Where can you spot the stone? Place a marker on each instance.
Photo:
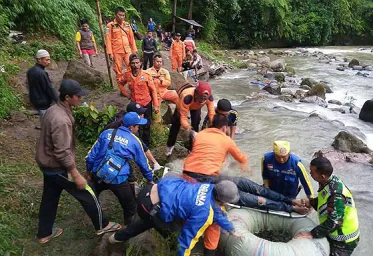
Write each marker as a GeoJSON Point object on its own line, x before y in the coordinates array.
{"type": "Point", "coordinates": [366, 113]}
{"type": "Point", "coordinates": [336, 102]}
{"type": "Point", "coordinates": [308, 81]}
{"type": "Point", "coordinates": [216, 70]}
{"type": "Point", "coordinates": [314, 99]}
{"type": "Point", "coordinates": [341, 110]}
{"type": "Point", "coordinates": [269, 75]}
{"type": "Point", "coordinates": [85, 75]}
{"type": "Point", "coordinates": [368, 68]}
{"type": "Point", "coordinates": [286, 98]}
{"type": "Point", "coordinates": [290, 70]}
{"type": "Point", "coordinates": [353, 62]}
{"type": "Point", "coordinates": [261, 52]}
{"type": "Point", "coordinates": [357, 68]}
{"type": "Point", "coordinates": [277, 65]}
{"type": "Point", "coordinates": [264, 61]}
{"type": "Point", "coordinates": [177, 80]}
{"type": "Point", "coordinates": [362, 74]}
{"type": "Point", "coordinates": [326, 86]}
{"type": "Point", "coordinates": [251, 65]}
{"type": "Point", "coordinates": [345, 59]}
{"type": "Point", "coordinates": [250, 52]}
{"type": "Point", "coordinates": [347, 142]}
{"type": "Point", "coordinates": [305, 87]}
{"type": "Point", "coordinates": [273, 89]}
{"type": "Point", "coordinates": [317, 90]}
{"type": "Point", "coordinates": [340, 68]}
{"type": "Point", "coordinates": [315, 115]}
{"type": "Point", "coordinates": [279, 77]}
{"type": "Point", "coordinates": [300, 94]}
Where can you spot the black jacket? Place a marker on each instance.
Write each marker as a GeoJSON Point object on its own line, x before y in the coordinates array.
{"type": "Point", "coordinates": [149, 45]}
{"type": "Point", "coordinates": [41, 92]}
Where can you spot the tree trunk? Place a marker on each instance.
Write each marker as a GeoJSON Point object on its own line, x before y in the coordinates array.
{"type": "Point", "coordinates": [190, 13]}
{"type": "Point", "coordinates": [174, 16]}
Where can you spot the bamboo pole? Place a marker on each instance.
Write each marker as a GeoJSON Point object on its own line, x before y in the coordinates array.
{"type": "Point", "coordinates": [103, 39]}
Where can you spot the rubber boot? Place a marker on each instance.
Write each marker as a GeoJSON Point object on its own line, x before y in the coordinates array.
{"type": "Point", "coordinates": [208, 252]}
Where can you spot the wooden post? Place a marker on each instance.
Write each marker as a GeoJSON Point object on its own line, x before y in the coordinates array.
{"type": "Point", "coordinates": [103, 39]}
{"type": "Point", "coordinates": [174, 16]}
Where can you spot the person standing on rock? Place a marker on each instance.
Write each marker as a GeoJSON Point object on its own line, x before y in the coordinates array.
{"type": "Point", "coordinates": [120, 42]}
{"type": "Point", "coordinates": [149, 47]}
{"type": "Point", "coordinates": [86, 43]}
{"type": "Point", "coordinates": [335, 205]}
{"type": "Point", "coordinates": [55, 155]}
{"type": "Point", "coordinates": [282, 170]}
{"type": "Point", "coordinates": [162, 206]}
{"type": "Point", "coordinates": [127, 146]}
{"type": "Point", "coordinates": [41, 92]}
{"type": "Point", "coordinates": [224, 107]}
{"type": "Point", "coordinates": [177, 53]}
{"type": "Point", "coordinates": [142, 91]}
{"type": "Point", "coordinates": [191, 99]}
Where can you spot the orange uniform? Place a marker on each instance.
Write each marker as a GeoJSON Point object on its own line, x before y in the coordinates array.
{"type": "Point", "coordinates": [177, 54]}
{"type": "Point", "coordinates": [120, 42]}
{"type": "Point", "coordinates": [162, 85]}
{"type": "Point", "coordinates": [141, 87]}
{"type": "Point", "coordinates": [186, 103]}
{"type": "Point", "coordinates": [210, 149]}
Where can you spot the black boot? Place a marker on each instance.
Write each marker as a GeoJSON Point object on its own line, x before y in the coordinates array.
{"type": "Point", "coordinates": [208, 252]}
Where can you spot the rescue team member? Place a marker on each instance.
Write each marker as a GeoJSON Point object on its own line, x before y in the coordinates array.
{"type": "Point", "coordinates": [149, 47]}
{"type": "Point", "coordinates": [86, 43]}
{"type": "Point", "coordinates": [336, 208]}
{"type": "Point", "coordinates": [177, 53]}
{"type": "Point", "coordinates": [142, 91]}
{"type": "Point", "coordinates": [224, 107]}
{"type": "Point", "coordinates": [55, 155]}
{"type": "Point", "coordinates": [191, 99]}
{"type": "Point", "coordinates": [120, 42]}
{"type": "Point", "coordinates": [282, 170]}
{"type": "Point", "coordinates": [173, 199]}
{"type": "Point", "coordinates": [210, 149]}
{"type": "Point", "coordinates": [41, 92]}
{"type": "Point", "coordinates": [128, 146]}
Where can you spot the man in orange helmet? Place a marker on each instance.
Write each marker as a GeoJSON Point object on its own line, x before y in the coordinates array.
{"type": "Point", "coordinates": [120, 42]}
{"type": "Point", "coordinates": [177, 53]}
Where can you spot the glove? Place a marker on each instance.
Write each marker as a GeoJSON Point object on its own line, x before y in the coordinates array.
{"type": "Point", "coordinates": [156, 167]}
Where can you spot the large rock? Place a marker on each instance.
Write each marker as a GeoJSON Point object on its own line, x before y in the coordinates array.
{"type": "Point", "coordinates": [264, 61]}
{"type": "Point", "coordinates": [326, 86]}
{"type": "Point", "coordinates": [308, 81]}
{"type": "Point", "coordinates": [336, 156]}
{"type": "Point", "coordinates": [278, 65]}
{"type": "Point", "coordinates": [273, 89]}
{"type": "Point", "coordinates": [366, 113]}
{"type": "Point", "coordinates": [336, 102]}
{"type": "Point", "coordinates": [357, 67]}
{"type": "Point", "coordinates": [279, 77]}
{"type": "Point", "coordinates": [178, 80]}
{"type": "Point", "coordinates": [317, 90]}
{"type": "Point", "coordinates": [353, 62]}
{"type": "Point", "coordinates": [368, 68]}
{"type": "Point", "coordinates": [314, 99]}
{"type": "Point", "coordinates": [216, 70]}
{"type": "Point", "coordinates": [85, 75]}
{"type": "Point", "coordinates": [346, 142]}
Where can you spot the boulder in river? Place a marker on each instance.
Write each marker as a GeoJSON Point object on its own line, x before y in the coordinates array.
{"type": "Point", "coordinates": [85, 75]}
{"type": "Point", "coordinates": [336, 156]}
{"type": "Point", "coordinates": [273, 89]}
{"type": "Point", "coordinates": [290, 70]}
{"type": "Point", "coordinates": [357, 68]}
{"type": "Point", "coordinates": [336, 102]}
{"type": "Point", "coordinates": [216, 70]}
{"type": "Point", "coordinates": [279, 77]}
{"type": "Point", "coordinates": [315, 99]}
{"type": "Point", "coordinates": [347, 142]}
{"type": "Point", "coordinates": [317, 90]}
{"type": "Point", "coordinates": [368, 68]}
{"type": "Point", "coordinates": [308, 81]}
{"type": "Point", "coordinates": [362, 74]}
{"type": "Point", "coordinates": [341, 110]}
{"type": "Point", "coordinates": [340, 68]}
{"type": "Point", "coordinates": [353, 62]}
{"type": "Point", "coordinates": [278, 65]}
{"type": "Point", "coordinates": [286, 98]}
{"type": "Point", "coordinates": [305, 87]}
{"type": "Point", "coordinates": [366, 113]}
{"type": "Point", "coordinates": [326, 86]}
{"type": "Point", "coordinates": [264, 61]}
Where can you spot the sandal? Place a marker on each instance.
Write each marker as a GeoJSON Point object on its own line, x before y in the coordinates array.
{"type": "Point", "coordinates": [114, 227]}
{"type": "Point", "coordinates": [56, 232]}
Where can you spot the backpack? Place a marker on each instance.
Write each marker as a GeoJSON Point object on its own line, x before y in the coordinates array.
{"type": "Point", "coordinates": [111, 164]}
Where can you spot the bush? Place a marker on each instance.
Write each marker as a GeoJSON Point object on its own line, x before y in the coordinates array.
{"type": "Point", "coordinates": [90, 122]}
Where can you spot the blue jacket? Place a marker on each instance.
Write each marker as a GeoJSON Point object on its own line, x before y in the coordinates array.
{"type": "Point", "coordinates": [126, 145]}
{"type": "Point", "coordinates": [193, 203]}
{"type": "Point", "coordinates": [284, 178]}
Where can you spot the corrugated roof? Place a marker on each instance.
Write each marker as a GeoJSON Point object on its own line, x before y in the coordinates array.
{"type": "Point", "coordinates": [192, 22]}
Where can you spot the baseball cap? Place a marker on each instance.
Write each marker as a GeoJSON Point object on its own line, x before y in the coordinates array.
{"type": "Point", "coordinates": [42, 54]}
{"type": "Point", "coordinates": [281, 148]}
{"type": "Point", "coordinates": [203, 88]}
{"type": "Point", "coordinates": [72, 87]}
{"type": "Point", "coordinates": [132, 118]}
{"type": "Point", "coordinates": [177, 34]}
{"type": "Point", "coordinates": [224, 105]}
{"type": "Point", "coordinates": [226, 191]}
{"type": "Point", "coordinates": [133, 56]}
{"type": "Point", "coordinates": [135, 107]}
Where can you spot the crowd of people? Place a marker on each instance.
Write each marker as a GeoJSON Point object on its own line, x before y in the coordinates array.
{"type": "Point", "coordinates": [193, 203]}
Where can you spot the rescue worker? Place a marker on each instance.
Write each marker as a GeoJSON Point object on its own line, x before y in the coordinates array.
{"type": "Point", "coordinates": [191, 99]}
{"type": "Point", "coordinates": [149, 47]}
{"type": "Point", "coordinates": [173, 199]}
{"type": "Point", "coordinates": [177, 53]}
{"type": "Point", "coordinates": [282, 170]}
{"type": "Point", "coordinates": [120, 42]}
{"type": "Point", "coordinates": [210, 149]}
{"type": "Point", "coordinates": [125, 145]}
{"type": "Point", "coordinates": [86, 43]}
{"type": "Point", "coordinates": [224, 107]}
{"type": "Point", "coordinates": [336, 208]}
{"type": "Point", "coordinates": [142, 91]}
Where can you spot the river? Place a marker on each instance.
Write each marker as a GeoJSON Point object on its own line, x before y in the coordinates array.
{"type": "Point", "coordinates": [261, 122]}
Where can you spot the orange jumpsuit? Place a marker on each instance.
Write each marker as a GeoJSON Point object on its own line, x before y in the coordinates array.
{"type": "Point", "coordinates": [210, 149]}
{"type": "Point", "coordinates": [177, 54]}
{"type": "Point", "coordinates": [161, 86]}
{"type": "Point", "coordinates": [141, 87]}
{"type": "Point", "coordinates": [120, 42]}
